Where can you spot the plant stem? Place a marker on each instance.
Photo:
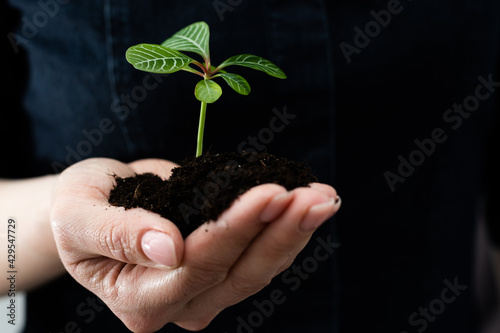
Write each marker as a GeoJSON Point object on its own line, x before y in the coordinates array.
{"type": "Point", "coordinates": [200, 65]}
{"type": "Point", "coordinates": [194, 71]}
{"type": "Point", "coordinates": [201, 128]}
{"type": "Point", "coordinates": [215, 71]}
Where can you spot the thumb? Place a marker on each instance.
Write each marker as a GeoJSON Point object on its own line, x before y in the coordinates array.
{"type": "Point", "coordinates": [133, 236]}
{"type": "Point", "coordinates": [139, 237]}
{"type": "Point", "coordinates": [85, 226]}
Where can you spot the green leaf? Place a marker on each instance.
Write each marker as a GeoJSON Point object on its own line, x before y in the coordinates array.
{"type": "Point", "coordinates": [207, 91]}
{"type": "Point", "coordinates": [193, 38]}
{"type": "Point", "coordinates": [237, 82]}
{"type": "Point", "coordinates": [255, 62]}
{"type": "Point", "coordinates": [156, 58]}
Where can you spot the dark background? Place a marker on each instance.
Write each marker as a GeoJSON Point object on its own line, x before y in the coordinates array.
{"type": "Point", "coordinates": [397, 247]}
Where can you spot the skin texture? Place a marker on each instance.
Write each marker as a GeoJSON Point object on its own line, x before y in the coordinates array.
{"type": "Point", "coordinates": [28, 201]}
{"type": "Point", "coordinates": [148, 283]}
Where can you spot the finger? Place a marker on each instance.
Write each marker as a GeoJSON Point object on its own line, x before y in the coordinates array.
{"type": "Point", "coordinates": [284, 238]}
{"type": "Point", "coordinates": [88, 227]}
{"type": "Point", "coordinates": [212, 249]}
{"type": "Point", "coordinates": [273, 250]}
{"type": "Point", "coordinates": [327, 189]}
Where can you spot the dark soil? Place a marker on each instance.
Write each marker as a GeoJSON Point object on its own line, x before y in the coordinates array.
{"type": "Point", "coordinates": [202, 188]}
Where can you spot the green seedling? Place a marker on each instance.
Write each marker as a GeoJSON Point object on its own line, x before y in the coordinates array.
{"type": "Point", "coordinates": [167, 58]}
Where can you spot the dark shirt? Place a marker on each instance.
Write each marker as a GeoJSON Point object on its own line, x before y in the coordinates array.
{"type": "Point", "coordinates": [370, 84]}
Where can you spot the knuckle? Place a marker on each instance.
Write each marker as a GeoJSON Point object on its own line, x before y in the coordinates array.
{"type": "Point", "coordinates": [279, 245]}
{"type": "Point", "coordinates": [217, 277]}
{"type": "Point", "coordinates": [197, 324]}
{"type": "Point", "coordinates": [282, 248]}
{"type": "Point", "coordinates": [207, 278]}
{"type": "Point", "coordinates": [245, 286]}
{"type": "Point", "coordinates": [112, 239]}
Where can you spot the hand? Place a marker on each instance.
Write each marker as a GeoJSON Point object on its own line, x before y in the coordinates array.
{"type": "Point", "coordinates": [141, 267]}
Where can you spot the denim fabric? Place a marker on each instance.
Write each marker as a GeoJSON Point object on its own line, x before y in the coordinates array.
{"type": "Point", "coordinates": [358, 114]}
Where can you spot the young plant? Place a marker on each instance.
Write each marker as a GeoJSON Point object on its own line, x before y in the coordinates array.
{"type": "Point", "coordinates": [167, 58]}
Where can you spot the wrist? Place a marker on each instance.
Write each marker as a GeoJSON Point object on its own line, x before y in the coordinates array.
{"type": "Point", "coordinates": [28, 202]}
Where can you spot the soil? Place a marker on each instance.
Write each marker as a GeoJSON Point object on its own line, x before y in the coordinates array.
{"type": "Point", "coordinates": [201, 188]}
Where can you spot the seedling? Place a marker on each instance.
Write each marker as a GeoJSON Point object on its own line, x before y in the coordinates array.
{"type": "Point", "coordinates": [167, 58]}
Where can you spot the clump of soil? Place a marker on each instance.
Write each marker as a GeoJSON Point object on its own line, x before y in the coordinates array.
{"type": "Point", "coordinates": [202, 188]}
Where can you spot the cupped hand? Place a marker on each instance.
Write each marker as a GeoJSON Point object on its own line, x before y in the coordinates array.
{"type": "Point", "coordinates": [138, 263]}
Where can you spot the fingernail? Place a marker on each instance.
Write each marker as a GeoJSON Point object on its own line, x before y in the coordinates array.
{"type": "Point", "coordinates": [275, 207]}
{"type": "Point", "coordinates": [160, 248]}
{"type": "Point", "coordinates": [321, 188]}
{"type": "Point", "coordinates": [317, 215]}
